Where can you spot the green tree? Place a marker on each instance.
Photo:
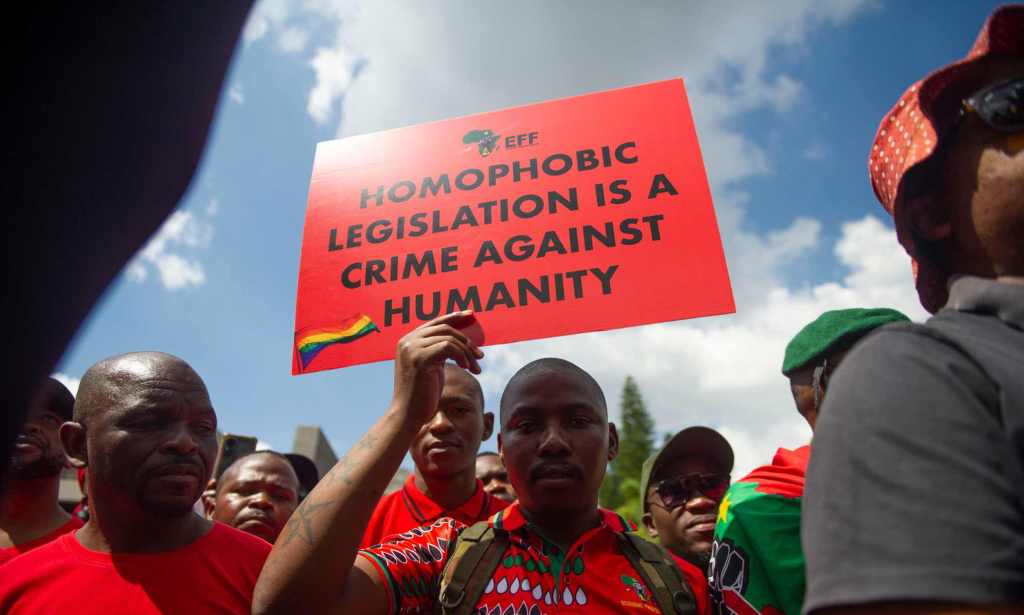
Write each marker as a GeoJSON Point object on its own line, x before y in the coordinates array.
{"type": "Point", "coordinates": [620, 490]}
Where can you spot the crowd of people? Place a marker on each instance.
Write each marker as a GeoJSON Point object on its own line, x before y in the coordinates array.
{"type": "Point", "coordinates": [909, 499]}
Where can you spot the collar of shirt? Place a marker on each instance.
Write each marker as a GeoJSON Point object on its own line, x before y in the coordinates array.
{"type": "Point", "coordinates": [512, 519]}
{"type": "Point", "coordinates": [1004, 300]}
{"type": "Point", "coordinates": [424, 510]}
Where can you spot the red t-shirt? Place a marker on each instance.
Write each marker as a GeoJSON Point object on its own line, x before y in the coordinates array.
{"type": "Point", "coordinates": [534, 576]}
{"type": "Point", "coordinates": [402, 510]}
{"type": "Point", "coordinates": [215, 574]}
{"type": "Point", "coordinates": [9, 553]}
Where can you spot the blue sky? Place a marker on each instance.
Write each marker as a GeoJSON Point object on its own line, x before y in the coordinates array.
{"type": "Point", "coordinates": [786, 97]}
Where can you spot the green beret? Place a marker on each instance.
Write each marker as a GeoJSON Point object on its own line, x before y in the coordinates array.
{"type": "Point", "coordinates": [832, 330]}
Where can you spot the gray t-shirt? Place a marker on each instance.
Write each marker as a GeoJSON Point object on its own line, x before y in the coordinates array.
{"type": "Point", "coordinates": [915, 488]}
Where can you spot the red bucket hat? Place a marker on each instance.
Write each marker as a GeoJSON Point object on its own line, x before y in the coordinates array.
{"type": "Point", "coordinates": [910, 132]}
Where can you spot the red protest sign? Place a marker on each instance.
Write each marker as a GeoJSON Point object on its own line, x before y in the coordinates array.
{"type": "Point", "coordinates": [581, 214]}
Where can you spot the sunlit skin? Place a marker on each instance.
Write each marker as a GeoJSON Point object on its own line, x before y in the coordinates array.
{"type": "Point", "coordinates": [979, 218]}
{"type": "Point", "coordinates": [556, 442]}
{"type": "Point", "coordinates": [494, 477]}
{"type": "Point", "coordinates": [687, 530]}
{"type": "Point", "coordinates": [29, 507]}
{"type": "Point", "coordinates": [146, 432]}
{"type": "Point", "coordinates": [257, 494]}
{"type": "Point", "coordinates": [445, 448]}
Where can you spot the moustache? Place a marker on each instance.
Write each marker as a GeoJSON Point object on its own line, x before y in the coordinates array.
{"type": "Point", "coordinates": [24, 438]}
{"type": "Point", "coordinates": [182, 465]}
{"type": "Point", "coordinates": [551, 469]}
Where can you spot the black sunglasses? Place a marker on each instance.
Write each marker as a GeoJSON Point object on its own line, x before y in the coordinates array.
{"type": "Point", "coordinates": [1000, 106]}
{"type": "Point", "coordinates": [678, 490]}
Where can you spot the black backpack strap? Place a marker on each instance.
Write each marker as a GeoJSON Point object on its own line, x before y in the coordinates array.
{"type": "Point", "coordinates": [660, 573]}
{"type": "Point", "coordinates": [474, 559]}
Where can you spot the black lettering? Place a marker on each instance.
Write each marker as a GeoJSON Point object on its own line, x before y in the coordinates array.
{"type": "Point", "coordinates": [517, 169]}
{"type": "Point", "coordinates": [620, 153]}
{"type": "Point", "coordinates": [496, 172]}
{"type": "Point", "coordinates": [422, 314]}
{"type": "Point", "coordinates": [429, 184]}
{"type": "Point", "coordinates": [620, 192]}
{"type": "Point", "coordinates": [550, 243]}
{"type": "Point", "coordinates": [374, 269]}
{"type": "Point", "coordinates": [348, 282]}
{"type": "Point", "coordinates": [542, 294]}
{"type": "Point", "coordinates": [390, 311]}
{"type": "Point", "coordinates": [605, 277]}
{"type": "Point", "coordinates": [373, 237]}
{"type": "Point", "coordinates": [630, 234]}
{"type": "Point", "coordinates": [464, 216]}
{"type": "Point", "coordinates": [517, 206]}
{"type": "Point", "coordinates": [555, 199]}
{"type": "Point", "coordinates": [577, 281]}
{"type": "Point", "coordinates": [468, 301]}
{"type": "Point", "coordinates": [332, 241]}
{"type": "Point", "coordinates": [487, 253]}
{"type": "Point", "coordinates": [652, 221]}
{"type": "Point", "coordinates": [416, 221]}
{"type": "Point", "coordinates": [418, 266]}
{"type": "Point", "coordinates": [586, 159]}
{"type": "Point", "coordinates": [563, 158]}
{"type": "Point", "coordinates": [661, 184]}
{"type": "Point", "coordinates": [590, 233]}
{"type": "Point", "coordinates": [378, 196]}
{"type": "Point", "coordinates": [353, 236]}
{"type": "Point", "coordinates": [397, 197]}
{"type": "Point", "coordinates": [478, 178]}
{"type": "Point", "coordinates": [499, 296]}
{"type": "Point", "coordinates": [449, 258]}
{"type": "Point", "coordinates": [521, 254]}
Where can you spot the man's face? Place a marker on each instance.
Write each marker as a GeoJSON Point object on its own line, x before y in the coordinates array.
{"type": "Point", "coordinates": [687, 530]}
{"type": "Point", "coordinates": [494, 477]}
{"type": "Point", "coordinates": [984, 187]}
{"type": "Point", "coordinates": [555, 442]}
{"type": "Point", "coordinates": [257, 495]}
{"type": "Point", "coordinates": [37, 450]}
{"type": "Point", "coordinates": [153, 447]}
{"type": "Point", "coordinates": [447, 444]}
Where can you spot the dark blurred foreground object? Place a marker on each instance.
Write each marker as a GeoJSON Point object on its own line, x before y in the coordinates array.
{"type": "Point", "coordinates": [109, 106]}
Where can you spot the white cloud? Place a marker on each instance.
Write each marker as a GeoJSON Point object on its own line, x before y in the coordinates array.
{"type": "Point", "coordinates": [335, 70]}
{"type": "Point", "coordinates": [265, 15]}
{"type": "Point", "coordinates": [236, 93]}
{"type": "Point", "coordinates": [70, 382]}
{"type": "Point", "coordinates": [292, 39]}
{"type": "Point", "coordinates": [182, 231]}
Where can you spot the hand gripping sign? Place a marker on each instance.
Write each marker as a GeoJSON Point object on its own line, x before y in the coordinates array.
{"type": "Point", "coordinates": [580, 214]}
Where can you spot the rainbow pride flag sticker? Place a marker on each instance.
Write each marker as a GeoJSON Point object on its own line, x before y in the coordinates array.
{"type": "Point", "coordinates": [309, 342]}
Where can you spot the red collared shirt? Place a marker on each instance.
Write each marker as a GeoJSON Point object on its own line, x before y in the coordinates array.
{"type": "Point", "coordinates": [409, 507]}
{"type": "Point", "coordinates": [535, 576]}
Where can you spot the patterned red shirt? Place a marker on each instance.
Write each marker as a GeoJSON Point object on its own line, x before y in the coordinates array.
{"type": "Point", "coordinates": [409, 507]}
{"type": "Point", "coordinates": [535, 577]}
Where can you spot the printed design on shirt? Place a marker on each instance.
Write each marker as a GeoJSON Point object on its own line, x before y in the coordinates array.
{"type": "Point", "coordinates": [727, 581]}
{"type": "Point", "coordinates": [636, 586]}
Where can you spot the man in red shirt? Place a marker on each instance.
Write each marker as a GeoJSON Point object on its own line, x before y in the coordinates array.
{"type": "Point", "coordinates": [30, 515]}
{"type": "Point", "coordinates": [256, 494]}
{"type": "Point", "coordinates": [444, 452]}
{"type": "Point", "coordinates": [559, 551]}
{"type": "Point", "coordinates": [146, 433]}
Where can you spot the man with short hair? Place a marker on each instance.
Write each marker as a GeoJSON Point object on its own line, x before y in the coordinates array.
{"type": "Point", "coordinates": [146, 432]}
{"type": "Point", "coordinates": [757, 563]}
{"type": "Point", "coordinates": [444, 483]}
{"type": "Point", "coordinates": [553, 550]}
{"type": "Point", "coordinates": [491, 472]}
{"type": "Point", "coordinates": [914, 501]}
{"type": "Point", "coordinates": [30, 514]}
{"type": "Point", "coordinates": [256, 494]}
{"type": "Point", "coordinates": [681, 486]}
